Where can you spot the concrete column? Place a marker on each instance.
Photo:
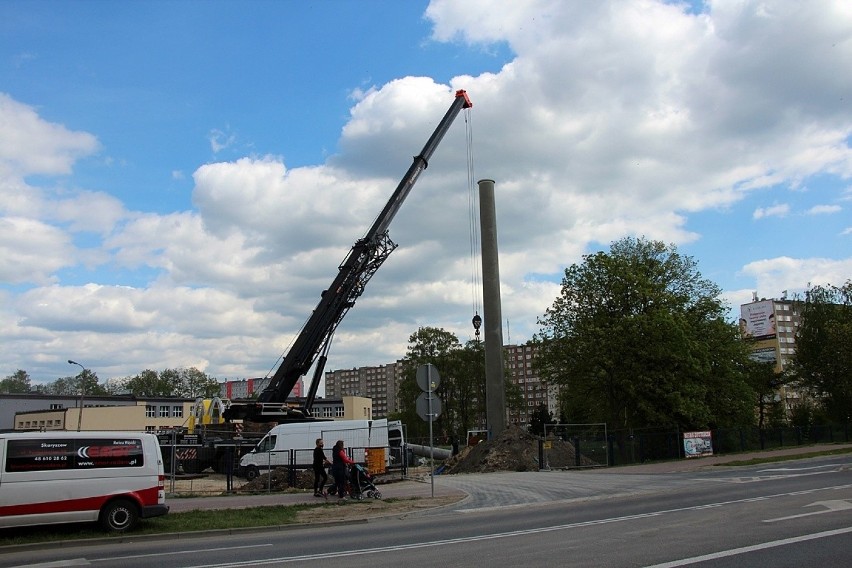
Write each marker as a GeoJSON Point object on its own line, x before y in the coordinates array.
{"type": "Point", "coordinates": [495, 392]}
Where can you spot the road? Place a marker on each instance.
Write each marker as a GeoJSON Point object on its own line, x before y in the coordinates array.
{"type": "Point", "coordinates": [787, 514]}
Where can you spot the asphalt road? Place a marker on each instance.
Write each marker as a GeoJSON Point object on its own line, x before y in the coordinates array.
{"type": "Point", "coordinates": [788, 514]}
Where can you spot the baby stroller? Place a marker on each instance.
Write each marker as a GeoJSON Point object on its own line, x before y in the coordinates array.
{"type": "Point", "coordinates": [361, 483]}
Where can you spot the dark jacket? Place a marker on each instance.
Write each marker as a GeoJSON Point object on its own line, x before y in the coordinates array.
{"type": "Point", "coordinates": [319, 458]}
{"type": "Point", "coordinates": [339, 459]}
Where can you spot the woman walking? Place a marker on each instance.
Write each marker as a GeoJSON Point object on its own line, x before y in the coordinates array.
{"type": "Point", "coordinates": [339, 465]}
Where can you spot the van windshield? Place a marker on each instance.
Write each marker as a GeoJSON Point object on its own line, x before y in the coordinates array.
{"type": "Point", "coordinates": [266, 445]}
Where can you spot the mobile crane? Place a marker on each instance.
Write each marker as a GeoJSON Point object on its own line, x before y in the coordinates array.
{"type": "Point", "coordinates": [364, 259]}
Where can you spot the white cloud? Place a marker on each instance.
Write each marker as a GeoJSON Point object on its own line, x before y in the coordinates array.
{"type": "Point", "coordinates": [779, 210]}
{"type": "Point", "coordinates": [824, 209]}
{"type": "Point", "coordinates": [30, 145]}
{"type": "Point", "coordinates": [613, 119]}
{"type": "Point", "coordinates": [793, 274]}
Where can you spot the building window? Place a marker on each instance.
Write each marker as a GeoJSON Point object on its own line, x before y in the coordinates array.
{"type": "Point", "coordinates": [57, 406]}
{"type": "Point", "coordinates": [150, 411]}
{"type": "Point", "coordinates": [177, 412]}
{"type": "Point", "coordinates": [338, 412]}
{"type": "Point", "coordinates": [164, 411]}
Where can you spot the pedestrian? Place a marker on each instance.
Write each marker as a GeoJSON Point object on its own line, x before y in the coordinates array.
{"type": "Point", "coordinates": [320, 463]}
{"type": "Point", "coordinates": [339, 464]}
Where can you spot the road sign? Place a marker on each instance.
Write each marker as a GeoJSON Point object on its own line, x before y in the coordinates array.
{"type": "Point", "coordinates": [423, 406]}
{"type": "Point", "coordinates": [425, 374]}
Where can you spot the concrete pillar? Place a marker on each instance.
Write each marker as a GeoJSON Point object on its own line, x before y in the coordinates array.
{"type": "Point", "coordinates": [495, 392]}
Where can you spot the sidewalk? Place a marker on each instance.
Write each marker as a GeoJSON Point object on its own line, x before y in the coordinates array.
{"type": "Point", "coordinates": [405, 489]}
{"type": "Point", "coordinates": [423, 489]}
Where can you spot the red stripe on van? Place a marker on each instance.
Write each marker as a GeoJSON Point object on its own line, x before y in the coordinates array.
{"type": "Point", "coordinates": [144, 497]}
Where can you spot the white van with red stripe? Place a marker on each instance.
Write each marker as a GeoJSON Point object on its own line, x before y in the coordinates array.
{"type": "Point", "coordinates": [114, 478]}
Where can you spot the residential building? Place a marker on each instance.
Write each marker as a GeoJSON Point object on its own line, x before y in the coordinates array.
{"type": "Point", "coordinates": [771, 327]}
{"type": "Point", "coordinates": [250, 388]}
{"type": "Point", "coordinates": [534, 391]}
{"type": "Point", "coordinates": [378, 383]}
{"type": "Point", "coordinates": [381, 384]}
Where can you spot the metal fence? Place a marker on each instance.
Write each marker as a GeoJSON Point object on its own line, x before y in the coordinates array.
{"type": "Point", "coordinates": [190, 470]}
{"type": "Point", "coordinates": [644, 445]}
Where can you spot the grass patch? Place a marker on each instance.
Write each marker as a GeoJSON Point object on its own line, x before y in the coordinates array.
{"type": "Point", "coordinates": [777, 458]}
{"type": "Point", "coordinates": [185, 522]}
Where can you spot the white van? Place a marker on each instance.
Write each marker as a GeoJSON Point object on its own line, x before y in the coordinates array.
{"type": "Point", "coordinates": [114, 478]}
{"type": "Point", "coordinates": [293, 443]}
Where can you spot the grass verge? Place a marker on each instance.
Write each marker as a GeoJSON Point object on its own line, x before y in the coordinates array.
{"type": "Point", "coordinates": [266, 516]}
{"type": "Point", "coordinates": [777, 458]}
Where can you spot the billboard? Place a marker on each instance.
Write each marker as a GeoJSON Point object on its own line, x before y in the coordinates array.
{"type": "Point", "coordinates": [697, 444]}
{"type": "Point", "coordinates": [757, 320]}
{"type": "Point", "coordinates": [764, 355]}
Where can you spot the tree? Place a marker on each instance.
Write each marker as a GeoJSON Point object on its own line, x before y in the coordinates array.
{"type": "Point", "coordinates": [189, 383]}
{"type": "Point", "coordinates": [540, 416]}
{"type": "Point", "coordinates": [462, 385]}
{"type": "Point", "coordinates": [438, 347]}
{"type": "Point", "coordinates": [638, 338]}
{"type": "Point", "coordinates": [148, 383]}
{"type": "Point", "coordinates": [765, 382]}
{"type": "Point", "coordinates": [85, 383]}
{"type": "Point", "coordinates": [18, 382]}
{"type": "Point", "coordinates": [823, 360]}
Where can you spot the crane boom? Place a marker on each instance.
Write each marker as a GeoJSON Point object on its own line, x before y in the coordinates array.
{"type": "Point", "coordinates": [363, 260]}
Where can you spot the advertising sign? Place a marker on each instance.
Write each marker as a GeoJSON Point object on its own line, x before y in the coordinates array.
{"type": "Point", "coordinates": [697, 444]}
{"type": "Point", "coordinates": [757, 320]}
{"type": "Point", "coordinates": [764, 355]}
{"type": "Point", "coordinates": [45, 455]}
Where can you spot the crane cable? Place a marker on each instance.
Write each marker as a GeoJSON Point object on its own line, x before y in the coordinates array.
{"type": "Point", "coordinates": [474, 231]}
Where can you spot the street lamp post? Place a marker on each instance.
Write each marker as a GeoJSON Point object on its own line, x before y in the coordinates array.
{"type": "Point", "coordinates": [82, 392]}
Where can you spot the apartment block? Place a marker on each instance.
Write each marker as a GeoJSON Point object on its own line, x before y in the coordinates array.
{"type": "Point", "coordinates": [378, 383]}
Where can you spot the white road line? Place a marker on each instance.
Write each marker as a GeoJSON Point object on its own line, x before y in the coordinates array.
{"type": "Point", "coordinates": [830, 507]}
{"type": "Point", "coordinates": [753, 548]}
{"type": "Point", "coordinates": [56, 564]}
{"type": "Point", "coordinates": [176, 552]}
{"type": "Point", "coordinates": [462, 540]}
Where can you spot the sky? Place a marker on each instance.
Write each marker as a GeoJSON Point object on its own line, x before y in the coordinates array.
{"type": "Point", "coordinates": [179, 180]}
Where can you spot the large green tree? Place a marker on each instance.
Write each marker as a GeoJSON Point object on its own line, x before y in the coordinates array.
{"type": "Point", "coordinates": [823, 359]}
{"type": "Point", "coordinates": [18, 382]}
{"type": "Point", "coordinates": [637, 337]}
{"type": "Point", "coordinates": [85, 382]}
{"type": "Point", "coordinates": [438, 347]}
{"type": "Point", "coordinates": [148, 383]}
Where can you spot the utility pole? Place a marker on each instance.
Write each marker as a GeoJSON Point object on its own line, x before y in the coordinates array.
{"type": "Point", "coordinates": [82, 392]}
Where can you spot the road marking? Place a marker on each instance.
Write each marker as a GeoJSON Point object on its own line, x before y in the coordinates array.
{"type": "Point", "coordinates": [753, 548]}
{"type": "Point", "coordinates": [524, 532]}
{"type": "Point", "coordinates": [176, 552]}
{"type": "Point", "coordinates": [830, 507]}
{"type": "Point", "coordinates": [56, 564]}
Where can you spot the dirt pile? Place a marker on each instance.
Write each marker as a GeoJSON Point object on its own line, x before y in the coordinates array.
{"type": "Point", "coordinates": [279, 480]}
{"type": "Point", "coordinates": [514, 450]}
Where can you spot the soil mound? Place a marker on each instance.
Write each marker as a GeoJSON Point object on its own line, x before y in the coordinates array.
{"type": "Point", "coordinates": [515, 450]}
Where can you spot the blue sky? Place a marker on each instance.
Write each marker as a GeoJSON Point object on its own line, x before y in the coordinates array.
{"type": "Point", "coordinates": [180, 179]}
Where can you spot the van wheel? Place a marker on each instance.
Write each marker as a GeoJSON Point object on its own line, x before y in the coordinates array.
{"type": "Point", "coordinates": [252, 473]}
{"type": "Point", "coordinates": [119, 516]}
